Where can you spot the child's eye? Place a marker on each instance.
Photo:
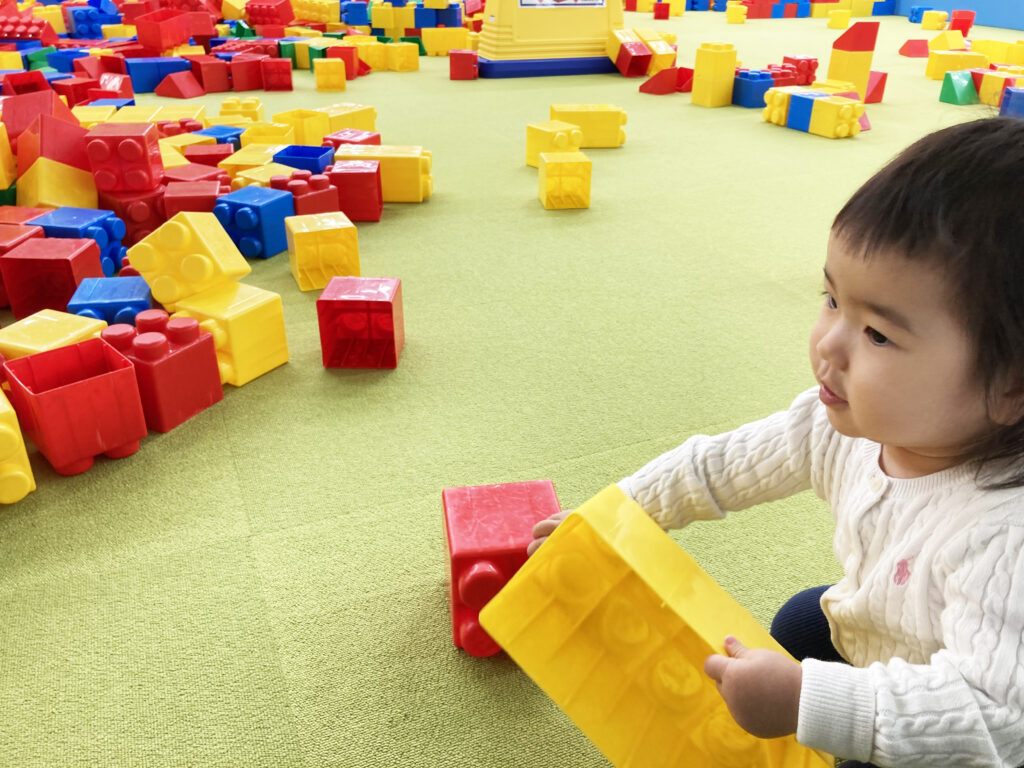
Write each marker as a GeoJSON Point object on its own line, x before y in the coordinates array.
{"type": "Point", "coordinates": [830, 301]}
{"type": "Point", "coordinates": [877, 338]}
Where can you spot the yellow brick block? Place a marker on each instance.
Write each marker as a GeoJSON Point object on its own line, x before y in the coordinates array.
{"type": "Point", "coordinates": [645, 6]}
{"type": "Point", "coordinates": [371, 52]}
{"type": "Point", "coordinates": [117, 30]}
{"type": "Point", "coordinates": [439, 40]}
{"type": "Point", "coordinates": [268, 133]}
{"type": "Point", "coordinates": [405, 17]}
{"type": "Point", "coordinates": [736, 14]}
{"type": "Point", "coordinates": [838, 19]}
{"type": "Point", "coordinates": [249, 107]}
{"type": "Point", "coordinates": [250, 156]}
{"type": "Point", "coordinates": [993, 86]}
{"type": "Point", "coordinates": [404, 171]}
{"type": "Point", "coordinates": [950, 40]}
{"type": "Point", "coordinates": [934, 20]}
{"type": "Point", "coordinates": [601, 123]}
{"type": "Point", "coordinates": [321, 246]}
{"type": "Point", "coordinates": [47, 329]}
{"type": "Point", "coordinates": [402, 57]}
{"type": "Point", "coordinates": [613, 620]}
{"type": "Point", "coordinates": [233, 9]}
{"type": "Point", "coordinates": [438, 5]}
{"type": "Point", "coordinates": [776, 110]}
{"type": "Point", "coordinates": [260, 176]}
{"type": "Point", "coordinates": [310, 125]}
{"type": "Point", "coordinates": [382, 15]}
{"type": "Point", "coordinates": [823, 10]}
{"type": "Point", "coordinates": [836, 117]}
{"type": "Point", "coordinates": [16, 479]}
{"type": "Point", "coordinates": [247, 324]}
{"type": "Point", "coordinates": [330, 74]}
{"type": "Point", "coordinates": [551, 136]}
{"type": "Point", "coordinates": [136, 113]}
{"type": "Point", "coordinates": [941, 62]}
{"type": "Point", "coordinates": [52, 14]}
{"type": "Point", "coordinates": [851, 66]}
{"type": "Point", "coordinates": [563, 180]}
{"type": "Point", "coordinates": [49, 184]}
{"type": "Point", "coordinates": [347, 115]}
{"type": "Point", "coordinates": [862, 8]}
{"type": "Point", "coordinates": [713, 75]}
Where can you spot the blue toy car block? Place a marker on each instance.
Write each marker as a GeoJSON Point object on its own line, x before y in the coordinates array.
{"type": "Point", "coordinates": [312, 159]}
{"type": "Point", "coordinates": [450, 16]}
{"type": "Point", "coordinates": [254, 217]}
{"type": "Point", "coordinates": [749, 88]}
{"type": "Point", "coordinates": [1012, 104]}
{"type": "Point", "coordinates": [99, 225]}
{"type": "Point", "coordinates": [803, 9]}
{"type": "Point", "coordinates": [916, 15]}
{"type": "Point", "coordinates": [224, 134]}
{"type": "Point", "coordinates": [62, 60]}
{"type": "Point", "coordinates": [800, 107]}
{"type": "Point", "coordinates": [112, 103]}
{"type": "Point", "coordinates": [355, 14]}
{"type": "Point", "coordinates": [425, 17]}
{"type": "Point", "coordinates": [111, 299]}
{"type": "Point", "coordinates": [589, 65]}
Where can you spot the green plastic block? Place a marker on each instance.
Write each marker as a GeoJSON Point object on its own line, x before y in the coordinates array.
{"type": "Point", "coordinates": [958, 88]}
{"type": "Point", "coordinates": [423, 51]}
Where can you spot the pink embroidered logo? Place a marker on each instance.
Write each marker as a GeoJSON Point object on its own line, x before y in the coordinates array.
{"type": "Point", "coordinates": [902, 571]}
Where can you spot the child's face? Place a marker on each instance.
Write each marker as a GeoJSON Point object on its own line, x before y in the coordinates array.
{"type": "Point", "coordinates": [895, 364]}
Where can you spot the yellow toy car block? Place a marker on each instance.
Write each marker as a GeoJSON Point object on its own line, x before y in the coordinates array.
{"type": "Point", "coordinates": [713, 75]}
{"type": "Point", "coordinates": [551, 136]}
{"type": "Point", "coordinates": [321, 246]}
{"type": "Point", "coordinates": [851, 66]}
{"type": "Point", "coordinates": [563, 180]}
{"type": "Point", "coordinates": [601, 123]}
{"type": "Point", "coordinates": [247, 324]}
{"type": "Point", "coordinates": [439, 40]}
{"type": "Point", "coordinates": [735, 14]}
{"type": "Point", "coordinates": [382, 15]}
{"type": "Point", "coordinates": [347, 115]}
{"type": "Point", "coordinates": [613, 620]}
{"type": "Point", "coordinates": [838, 19]}
{"type": "Point", "coordinates": [249, 107]}
{"type": "Point", "coordinates": [8, 163]}
{"type": "Point", "coordinates": [404, 171]}
{"type": "Point", "coordinates": [330, 74]}
{"type": "Point", "coordinates": [934, 20]}
{"type": "Point", "coordinates": [135, 113]}
{"type": "Point", "coordinates": [186, 255]}
{"type": "Point", "coordinates": [50, 184]}
{"type": "Point", "coordinates": [47, 329]}
{"type": "Point", "coordinates": [260, 176]}
{"type": "Point", "coordinates": [16, 480]}
{"type": "Point", "coordinates": [90, 117]}
{"type": "Point", "coordinates": [177, 112]}
{"type": "Point", "coordinates": [402, 57]}
{"type": "Point", "coordinates": [171, 157]}
{"type": "Point", "coordinates": [310, 125]}
{"type": "Point", "coordinates": [950, 40]}
{"type": "Point", "coordinates": [267, 133]}
{"type": "Point", "coordinates": [836, 117]}
{"type": "Point", "coordinates": [251, 156]}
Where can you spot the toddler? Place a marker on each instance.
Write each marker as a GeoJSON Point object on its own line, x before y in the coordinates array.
{"type": "Point", "coordinates": [914, 434]}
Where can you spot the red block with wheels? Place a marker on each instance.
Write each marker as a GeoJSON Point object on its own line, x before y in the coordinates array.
{"type": "Point", "coordinates": [175, 366]}
{"type": "Point", "coordinates": [43, 272]}
{"type": "Point", "coordinates": [488, 528]}
{"type": "Point", "coordinates": [361, 322]}
{"type": "Point", "coordinates": [77, 402]}
{"type": "Point", "coordinates": [359, 188]}
{"type": "Point", "coordinates": [124, 156]}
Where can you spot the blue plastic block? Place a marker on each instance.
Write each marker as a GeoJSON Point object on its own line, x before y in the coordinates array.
{"type": "Point", "coordinates": [916, 15]}
{"type": "Point", "coordinates": [450, 16]}
{"type": "Point", "coordinates": [1012, 104]}
{"type": "Point", "coordinates": [779, 11]}
{"type": "Point", "coordinates": [749, 88]}
{"type": "Point", "coordinates": [215, 41]}
{"type": "Point", "coordinates": [884, 8]}
{"type": "Point", "coordinates": [112, 103]}
{"type": "Point", "coordinates": [800, 107]}
{"type": "Point", "coordinates": [355, 14]}
{"type": "Point", "coordinates": [698, 5]}
{"type": "Point", "coordinates": [102, 226]}
{"type": "Point", "coordinates": [224, 134]}
{"type": "Point", "coordinates": [62, 60]}
{"type": "Point", "coordinates": [425, 17]}
{"type": "Point", "coordinates": [306, 158]}
{"type": "Point", "coordinates": [113, 299]}
{"type": "Point", "coordinates": [87, 22]}
{"type": "Point", "coordinates": [254, 218]}
{"type": "Point", "coordinates": [589, 65]}
{"type": "Point", "coordinates": [803, 9]}
{"type": "Point", "coordinates": [51, 76]}
{"type": "Point", "coordinates": [720, 5]}
{"type": "Point", "coordinates": [105, 6]}
{"type": "Point", "coordinates": [399, 3]}
{"type": "Point", "coordinates": [147, 72]}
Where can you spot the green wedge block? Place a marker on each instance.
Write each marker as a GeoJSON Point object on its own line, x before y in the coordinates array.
{"type": "Point", "coordinates": [958, 88]}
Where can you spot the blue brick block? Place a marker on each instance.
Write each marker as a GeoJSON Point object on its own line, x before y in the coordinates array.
{"type": "Point", "coordinates": [698, 5]}
{"type": "Point", "coordinates": [450, 16]}
{"type": "Point", "coordinates": [1012, 104]}
{"type": "Point", "coordinates": [112, 299]}
{"type": "Point", "coordinates": [749, 88]}
{"type": "Point", "coordinates": [306, 158]}
{"type": "Point", "coordinates": [87, 22]}
{"type": "Point", "coordinates": [779, 11]}
{"type": "Point", "coordinates": [916, 15]}
{"type": "Point", "coordinates": [102, 226]}
{"type": "Point", "coordinates": [803, 9]}
{"type": "Point", "coordinates": [254, 218]}
{"type": "Point", "coordinates": [62, 60]}
{"type": "Point", "coordinates": [425, 17]}
{"type": "Point", "coordinates": [884, 8]}
{"type": "Point", "coordinates": [720, 5]}
{"type": "Point", "coordinates": [800, 107]}
{"type": "Point", "coordinates": [224, 134]}
{"type": "Point", "coordinates": [146, 73]}
{"type": "Point", "coordinates": [355, 14]}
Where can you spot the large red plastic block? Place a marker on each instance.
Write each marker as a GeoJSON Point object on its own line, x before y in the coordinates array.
{"type": "Point", "coordinates": [119, 83]}
{"type": "Point", "coordinates": [806, 68]}
{"type": "Point", "coordinates": [463, 65]}
{"type": "Point", "coordinates": [43, 272]}
{"type": "Point", "coordinates": [75, 89]}
{"type": "Point", "coordinates": [353, 135]}
{"type": "Point", "coordinates": [661, 10]}
{"type": "Point", "coordinates": [861, 36]}
{"type": "Point", "coordinates": [11, 236]}
{"type": "Point", "coordinates": [488, 528]}
{"type": "Point", "coordinates": [962, 20]}
{"type": "Point", "coordinates": [162, 29]}
{"type": "Point", "coordinates": [179, 85]}
{"type": "Point", "coordinates": [20, 110]}
{"type": "Point", "coordinates": [276, 74]}
{"type": "Point", "coordinates": [269, 11]}
{"type": "Point", "coordinates": [351, 58]}
{"type": "Point", "coordinates": [361, 322]}
{"type": "Point", "coordinates": [53, 139]}
{"type": "Point", "coordinates": [175, 366]}
{"type": "Point", "coordinates": [77, 402]}
{"type": "Point", "coordinates": [97, 66]}
{"type": "Point", "coordinates": [783, 74]}
{"type": "Point", "coordinates": [246, 73]}
{"type": "Point", "coordinates": [24, 82]}
{"type": "Point", "coordinates": [19, 214]}
{"type": "Point", "coordinates": [311, 193]}
{"type": "Point", "coordinates": [28, 28]}
{"type": "Point", "coordinates": [359, 188]}
{"type": "Point", "coordinates": [190, 196]}
{"type": "Point", "coordinates": [201, 24]}
{"type": "Point", "coordinates": [141, 211]}
{"type": "Point", "coordinates": [212, 73]}
{"type": "Point", "coordinates": [634, 59]}
{"type": "Point", "coordinates": [124, 156]}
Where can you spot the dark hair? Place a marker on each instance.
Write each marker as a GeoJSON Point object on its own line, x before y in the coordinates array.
{"type": "Point", "coordinates": [953, 199]}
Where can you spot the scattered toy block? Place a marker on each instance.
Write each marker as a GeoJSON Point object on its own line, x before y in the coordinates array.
{"type": "Point", "coordinates": [101, 226]}
{"type": "Point", "coordinates": [330, 74]}
{"type": "Point", "coordinates": [713, 74]}
{"type": "Point", "coordinates": [111, 299]}
{"type": "Point", "coordinates": [351, 136]}
{"type": "Point", "coordinates": [43, 272]}
{"type": "Point", "coordinates": [311, 193]}
{"type": "Point", "coordinates": [934, 20]}
{"type": "Point", "coordinates": [1013, 103]}
{"type": "Point", "coordinates": [551, 136]}
{"type": "Point", "coordinates": [361, 322]}
{"type": "Point", "coordinates": [876, 87]}
{"type": "Point", "coordinates": [915, 49]}
{"type": "Point", "coordinates": [16, 478]}
{"type": "Point", "coordinates": [405, 171]}
{"type": "Point", "coordinates": [358, 182]}
{"type": "Point", "coordinates": [839, 19]}
{"type": "Point", "coordinates": [835, 117]}
{"type": "Point", "coordinates": [601, 124]}
{"type": "Point", "coordinates": [124, 157]}
{"type": "Point", "coordinates": [253, 218]}
{"type": "Point", "coordinates": [958, 88]}
{"type": "Point", "coordinates": [321, 246]}
{"type": "Point", "coordinates": [633, 59]}
{"type": "Point", "coordinates": [563, 180]}
{"type": "Point", "coordinates": [806, 68]}
{"type": "Point", "coordinates": [750, 87]}
{"type": "Point", "coordinates": [180, 85]}
{"type": "Point", "coordinates": [462, 65]}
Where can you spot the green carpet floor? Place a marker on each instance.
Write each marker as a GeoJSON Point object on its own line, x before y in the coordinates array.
{"type": "Point", "coordinates": [264, 586]}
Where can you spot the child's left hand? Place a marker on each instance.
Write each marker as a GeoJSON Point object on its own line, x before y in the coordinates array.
{"type": "Point", "coordinates": [760, 687]}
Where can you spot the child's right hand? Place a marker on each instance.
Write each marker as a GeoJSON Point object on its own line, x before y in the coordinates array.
{"type": "Point", "coordinates": [545, 528]}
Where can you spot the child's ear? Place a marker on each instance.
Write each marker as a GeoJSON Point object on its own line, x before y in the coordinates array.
{"type": "Point", "coordinates": [1006, 403]}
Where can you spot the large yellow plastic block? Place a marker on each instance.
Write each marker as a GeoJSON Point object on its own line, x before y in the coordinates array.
{"type": "Point", "coordinates": [322, 11]}
{"type": "Point", "coordinates": [371, 52]}
{"type": "Point", "coordinates": [54, 15]}
{"type": "Point", "coordinates": [551, 136]}
{"type": "Point", "coordinates": [89, 117]}
{"type": "Point", "coordinates": [405, 17]}
{"type": "Point", "coordinates": [348, 115]}
{"type": "Point", "coordinates": [941, 62]}
{"type": "Point", "coordinates": [186, 255]}
{"type": "Point", "coordinates": [950, 40]}
{"type": "Point", "coordinates": [247, 324]}
{"type": "Point", "coordinates": [171, 157]}
{"type": "Point", "coordinates": [232, 9]}
{"type": "Point", "coordinates": [321, 246]}
{"type": "Point", "coordinates": [329, 74]}
{"type": "Point", "coordinates": [613, 620]}
{"type": "Point", "coordinates": [776, 110]}
{"type": "Point", "coordinates": [8, 163]}
{"type": "Point", "coordinates": [382, 15]}
{"type": "Point", "coordinates": [735, 14]}
{"type": "Point", "coordinates": [49, 184]}
{"type": "Point", "coordinates": [993, 86]}
{"type": "Point", "coordinates": [823, 10]}
{"type": "Point", "coordinates": [563, 180]}
{"type": "Point", "coordinates": [517, 30]}
{"type": "Point", "coordinates": [249, 107]}
{"type": "Point", "coordinates": [404, 171]}
{"type": "Point", "coordinates": [310, 125]}
{"type": "Point", "coordinates": [181, 140]}
{"type": "Point", "coordinates": [251, 156]}
{"type": "Point", "coordinates": [861, 8]}
{"type": "Point", "coordinates": [852, 66]}
{"type": "Point", "coordinates": [135, 113]}
{"type": "Point", "coordinates": [402, 57]}
{"type": "Point", "coordinates": [47, 329]}
{"type": "Point", "coordinates": [838, 19]}
{"type": "Point", "coordinates": [836, 117]}
{"type": "Point", "coordinates": [16, 480]}
{"type": "Point", "coordinates": [713, 75]}
{"type": "Point", "coordinates": [268, 133]}
{"type": "Point", "coordinates": [616, 37]}
{"type": "Point", "coordinates": [439, 40]}
{"type": "Point", "coordinates": [11, 60]}
{"type": "Point", "coordinates": [934, 19]}
{"type": "Point", "coordinates": [663, 55]}
{"type": "Point", "coordinates": [601, 123]}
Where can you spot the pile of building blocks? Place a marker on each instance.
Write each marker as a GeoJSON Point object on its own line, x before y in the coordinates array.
{"type": "Point", "coordinates": [641, 52]}
{"type": "Point", "coordinates": [613, 620]}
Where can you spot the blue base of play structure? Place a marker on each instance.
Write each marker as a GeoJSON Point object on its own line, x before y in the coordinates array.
{"type": "Point", "coordinates": [990, 13]}
{"type": "Point", "coordinates": [591, 65]}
